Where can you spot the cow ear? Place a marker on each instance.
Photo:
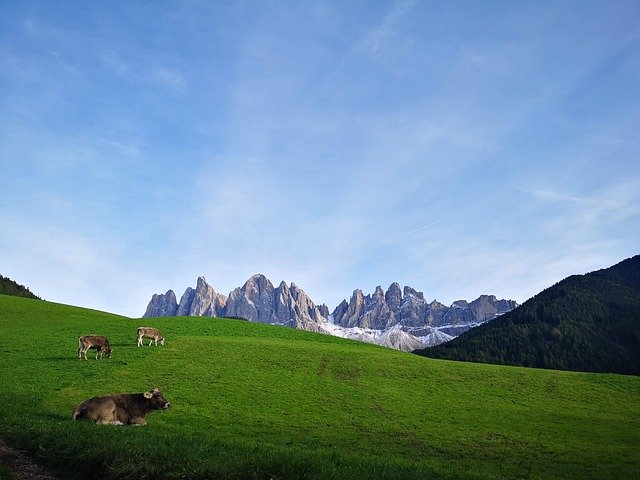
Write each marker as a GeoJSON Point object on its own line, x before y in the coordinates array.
{"type": "Point", "coordinates": [148, 394]}
{"type": "Point", "coordinates": [156, 390]}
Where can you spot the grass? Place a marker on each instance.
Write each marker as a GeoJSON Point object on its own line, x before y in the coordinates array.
{"type": "Point", "coordinates": [253, 401]}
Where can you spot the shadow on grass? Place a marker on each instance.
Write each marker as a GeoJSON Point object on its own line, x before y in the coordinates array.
{"type": "Point", "coordinates": [57, 416]}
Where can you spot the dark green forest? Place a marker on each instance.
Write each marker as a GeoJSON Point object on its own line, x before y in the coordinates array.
{"type": "Point", "coordinates": [585, 322]}
{"type": "Point", "coordinates": [9, 287]}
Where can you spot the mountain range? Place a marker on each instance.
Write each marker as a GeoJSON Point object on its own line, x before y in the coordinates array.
{"type": "Point", "coordinates": [585, 322]}
{"type": "Point", "coordinates": [398, 318]}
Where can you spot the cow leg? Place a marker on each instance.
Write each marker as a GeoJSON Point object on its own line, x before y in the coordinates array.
{"type": "Point", "coordinates": [150, 341]}
{"type": "Point", "coordinates": [102, 421]}
{"type": "Point", "coordinates": [138, 421]}
{"type": "Point", "coordinates": [140, 341]}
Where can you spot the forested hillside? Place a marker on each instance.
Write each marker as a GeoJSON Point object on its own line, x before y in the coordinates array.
{"type": "Point", "coordinates": [586, 322]}
{"type": "Point", "coordinates": [9, 287]}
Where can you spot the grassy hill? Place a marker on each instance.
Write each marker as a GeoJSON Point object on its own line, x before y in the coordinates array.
{"type": "Point", "coordinates": [252, 401]}
{"type": "Point", "coordinates": [586, 322]}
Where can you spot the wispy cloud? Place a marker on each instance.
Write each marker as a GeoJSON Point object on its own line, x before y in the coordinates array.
{"type": "Point", "coordinates": [386, 40]}
{"type": "Point", "coordinates": [144, 73]}
{"type": "Point", "coordinates": [605, 205]}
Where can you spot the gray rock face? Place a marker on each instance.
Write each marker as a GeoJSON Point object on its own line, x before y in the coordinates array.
{"type": "Point", "coordinates": [412, 308]}
{"type": "Point", "coordinates": [409, 308]}
{"type": "Point", "coordinates": [162, 305]}
{"type": "Point", "coordinates": [324, 311]}
{"type": "Point", "coordinates": [203, 301]}
{"type": "Point", "coordinates": [398, 318]}
{"type": "Point", "coordinates": [185, 302]}
{"type": "Point", "coordinates": [393, 297]}
{"type": "Point", "coordinates": [377, 314]}
{"type": "Point", "coordinates": [257, 300]}
{"type": "Point", "coordinates": [254, 301]}
{"type": "Point", "coordinates": [353, 312]}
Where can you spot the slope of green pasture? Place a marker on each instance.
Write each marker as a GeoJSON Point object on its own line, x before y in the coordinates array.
{"type": "Point", "coordinates": [257, 401]}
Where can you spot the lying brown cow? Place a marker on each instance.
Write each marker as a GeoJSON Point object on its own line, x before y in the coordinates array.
{"type": "Point", "coordinates": [98, 342]}
{"type": "Point", "coordinates": [121, 409]}
{"type": "Point", "coordinates": [152, 333]}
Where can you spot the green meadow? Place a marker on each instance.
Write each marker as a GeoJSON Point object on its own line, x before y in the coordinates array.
{"type": "Point", "coordinates": [252, 401]}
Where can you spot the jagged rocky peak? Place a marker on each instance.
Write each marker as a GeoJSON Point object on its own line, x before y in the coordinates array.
{"type": "Point", "coordinates": [413, 308]}
{"type": "Point", "coordinates": [258, 284]}
{"type": "Point", "coordinates": [489, 307]}
{"type": "Point", "coordinates": [255, 300]}
{"type": "Point", "coordinates": [408, 307]}
{"type": "Point", "coordinates": [339, 312]}
{"type": "Point", "coordinates": [185, 302]}
{"type": "Point", "coordinates": [400, 318]}
{"type": "Point", "coordinates": [301, 298]}
{"type": "Point", "coordinates": [412, 293]}
{"type": "Point", "coordinates": [351, 315]}
{"type": "Point", "coordinates": [376, 314]}
{"type": "Point", "coordinates": [393, 296]}
{"type": "Point", "coordinates": [436, 304]}
{"type": "Point", "coordinates": [162, 305]}
{"type": "Point", "coordinates": [259, 301]}
{"type": "Point", "coordinates": [324, 311]}
{"type": "Point", "coordinates": [203, 301]}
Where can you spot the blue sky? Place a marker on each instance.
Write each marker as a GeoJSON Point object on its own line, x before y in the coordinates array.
{"type": "Point", "coordinates": [461, 148]}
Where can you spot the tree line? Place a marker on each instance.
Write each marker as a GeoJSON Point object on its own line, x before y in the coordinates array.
{"type": "Point", "coordinates": [9, 287]}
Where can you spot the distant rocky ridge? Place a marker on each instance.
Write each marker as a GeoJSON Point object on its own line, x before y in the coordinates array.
{"type": "Point", "coordinates": [398, 318]}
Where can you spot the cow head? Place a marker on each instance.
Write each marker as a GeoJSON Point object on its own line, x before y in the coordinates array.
{"type": "Point", "coordinates": [157, 400]}
{"type": "Point", "coordinates": [106, 350]}
{"type": "Point", "coordinates": [161, 341]}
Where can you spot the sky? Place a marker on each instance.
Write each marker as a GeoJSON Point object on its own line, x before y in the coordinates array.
{"type": "Point", "coordinates": [460, 147]}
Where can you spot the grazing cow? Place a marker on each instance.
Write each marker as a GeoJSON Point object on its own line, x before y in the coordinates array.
{"type": "Point", "coordinates": [152, 333]}
{"type": "Point", "coordinates": [121, 409]}
{"type": "Point", "coordinates": [98, 342]}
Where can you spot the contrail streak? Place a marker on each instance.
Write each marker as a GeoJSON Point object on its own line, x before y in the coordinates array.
{"type": "Point", "coordinates": [458, 212]}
